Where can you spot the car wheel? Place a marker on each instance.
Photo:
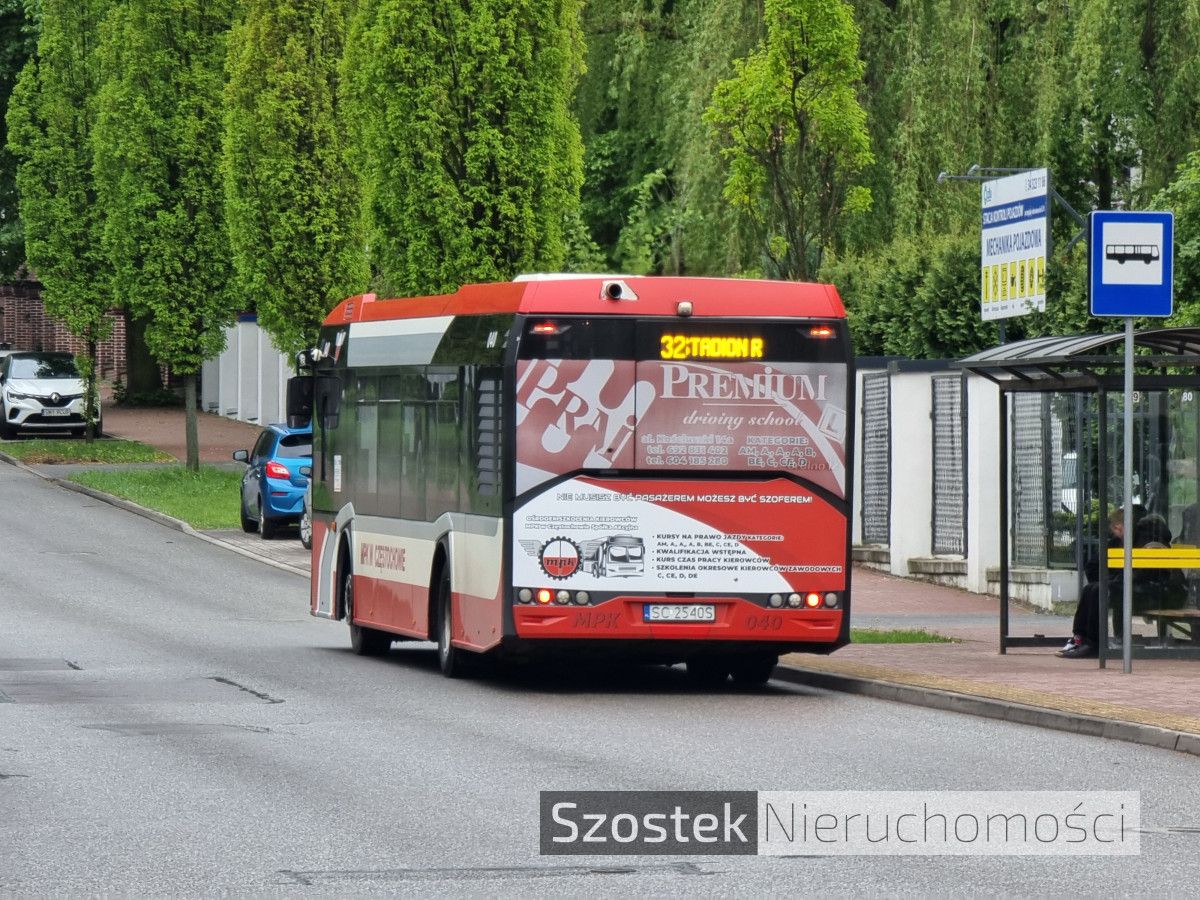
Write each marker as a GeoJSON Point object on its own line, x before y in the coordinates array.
{"type": "Point", "coordinates": [306, 530]}
{"type": "Point", "coordinates": [267, 528]}
{"type": "Point", "coordinates": [363, 641]}
{"type": "Point", "coordinates": [753, 671]}
{"type": "Point", "coordinates": [707, 671]}
{"type": "Point", "coordinates": [248, 524]}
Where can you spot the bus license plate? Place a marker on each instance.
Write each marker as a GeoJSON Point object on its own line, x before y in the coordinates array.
{"type": "Point", "coordinates": [55, 411]}
{"type": "Point", "coordinates": [679, 612]}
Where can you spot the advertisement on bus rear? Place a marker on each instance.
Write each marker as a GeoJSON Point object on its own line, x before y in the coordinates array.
{"type": "Point", "coordinates": [700, 416]}
{"type": "Point", "coordinates": [651, 535]}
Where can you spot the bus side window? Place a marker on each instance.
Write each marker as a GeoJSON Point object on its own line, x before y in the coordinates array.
{"type": "Point", "coordinates": [412, 445]}
{"type": "Point", "coordinates": [391, 437]}
{"type": "Point", "coordinates": [366, 430]}
{"type": "Point", "coordinates": [442, 453]}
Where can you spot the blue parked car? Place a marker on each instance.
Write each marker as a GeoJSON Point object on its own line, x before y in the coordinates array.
{"type": "Point", "coordinates": [273, 486]}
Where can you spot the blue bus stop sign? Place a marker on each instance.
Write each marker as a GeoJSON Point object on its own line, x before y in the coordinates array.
{"type": "Point", "coordinates": [1131, 263]}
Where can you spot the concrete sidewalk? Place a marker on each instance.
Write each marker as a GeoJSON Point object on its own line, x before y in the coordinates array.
{"type": "Point", "coordinates": [1156, 704]}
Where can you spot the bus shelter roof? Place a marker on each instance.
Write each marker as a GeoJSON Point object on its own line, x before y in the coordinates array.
{"type": "Point", "coordinates": [1085, 361]}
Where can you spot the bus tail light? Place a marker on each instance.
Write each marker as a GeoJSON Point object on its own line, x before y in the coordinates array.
{"type": "Point", "coordinates": [820, 331]}
{"type": "Point", "coordinates": [831, 600]}
{"type": "Point", "coordinates": [545, 328]}
{"type": "Point", "coordinates": [812, 600]}
{"type": "Point", "coordinates": [544, 596]}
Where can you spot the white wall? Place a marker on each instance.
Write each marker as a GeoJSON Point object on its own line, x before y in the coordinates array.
{"type": "Point", "coordinates": [248, 380]}
{"type": "Point", "coordinates": [912, 469]}
{"type": "Point", "coordinates": [983, 481]}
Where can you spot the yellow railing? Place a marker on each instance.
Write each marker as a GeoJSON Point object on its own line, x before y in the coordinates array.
{"type": "Point", "coordinates": [1181, 556]}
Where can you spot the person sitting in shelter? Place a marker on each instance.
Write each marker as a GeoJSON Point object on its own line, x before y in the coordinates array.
{"type": "Point", "coordinates": [1153, 588]}
{"type": "Point", "coordinates": [1085, 629]}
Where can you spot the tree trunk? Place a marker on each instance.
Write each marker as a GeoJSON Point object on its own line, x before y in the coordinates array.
{"type": "Point", "coordinates": [142, 374]}
{"type": "Point", "coordinates": [191, 426]}
{"type": "Point", "coordinates": [90, 390]}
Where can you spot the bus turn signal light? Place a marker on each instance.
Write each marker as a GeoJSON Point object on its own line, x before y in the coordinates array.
{"type": "Point", "coordinates": [544, 596]}
{"type": "Point", "coordinates": [812, 601]}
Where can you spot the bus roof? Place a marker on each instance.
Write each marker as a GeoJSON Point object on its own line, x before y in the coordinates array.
{"type": "Point", "coordinates": [585, 295]}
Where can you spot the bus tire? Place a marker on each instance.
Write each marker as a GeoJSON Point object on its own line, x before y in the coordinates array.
{"type": "Point", "coordinates": [363, 641]}
{"type": "Point", "coordinates": [753, 671]}
{"type": "Point", "coordinates": [707, 671]}
{"type": "Point", "coordinates": [451, 660]}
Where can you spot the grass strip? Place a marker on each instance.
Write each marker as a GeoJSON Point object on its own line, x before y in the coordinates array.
{"type": "Point", "coordinates": [206, 500]}
{"type": "Point", "coordinates": [44, 451]}
{"type": "Point", "coordinates": [897, 636]}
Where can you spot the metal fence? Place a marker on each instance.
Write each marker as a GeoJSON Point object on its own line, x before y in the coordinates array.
{"type": "Point", "coordinates": [949, 465]}
{"type": "Point", "coordinates": [1030, 418]}
{"type": "Point", "coordinates": [876, 459]}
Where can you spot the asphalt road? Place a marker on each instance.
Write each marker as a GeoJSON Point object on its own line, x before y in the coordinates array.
{"type": "Point", "coordinates": [178, 724]}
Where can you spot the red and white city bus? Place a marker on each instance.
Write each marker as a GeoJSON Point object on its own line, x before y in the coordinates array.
{"type": "Point", "coordinates": [648, 468]}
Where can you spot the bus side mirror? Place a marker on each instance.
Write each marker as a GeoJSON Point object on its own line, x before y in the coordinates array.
{"type": "Point", "coordinates": [299, 401]}
{"type": "Point", "coordinates": [329, 400]}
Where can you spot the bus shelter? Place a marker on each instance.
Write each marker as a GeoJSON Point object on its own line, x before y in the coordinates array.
{"type": "Point", "coordinates": [1061, 407]}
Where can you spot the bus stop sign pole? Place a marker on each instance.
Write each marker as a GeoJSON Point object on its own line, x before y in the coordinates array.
{"type": "Point", "coordinates": [1130, 273]}
{"type": "Point", "coordinates": [1127, 585]}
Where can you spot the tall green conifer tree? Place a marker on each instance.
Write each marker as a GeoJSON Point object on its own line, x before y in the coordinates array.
{"type": "Point", "coordinates": [51, 120]}
{"type": "Point", "coordinates": [158, 144]}
{"type": "Point", "coordinates": [291, 199]}
{"type": "Point", "coordinates": [17, 42]}
{"type": "Point", "coordinates": [470, 155]}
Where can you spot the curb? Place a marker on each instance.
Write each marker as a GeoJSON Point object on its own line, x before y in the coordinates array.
{"type": "Point", "coordinates": [986, 707]}
{"type": "Point", "coordinates": [151, 514]}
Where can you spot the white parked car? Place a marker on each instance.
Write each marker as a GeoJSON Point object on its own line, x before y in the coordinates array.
{"type": "Point", "coordinates": [42, 392]}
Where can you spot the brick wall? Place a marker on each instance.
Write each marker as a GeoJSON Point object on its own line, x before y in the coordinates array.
{"type": "Point", "coordinates": [25, 325]}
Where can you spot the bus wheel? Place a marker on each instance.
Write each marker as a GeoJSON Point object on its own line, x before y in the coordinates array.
{"type": "Point", "coordinates": [363, 641]}
{"type": "Point", "coordinates": [451, 660]}
{"type": "Point", "coordinates": [707, 671]}
{"type": "Point", "coordinates": [752, 671]}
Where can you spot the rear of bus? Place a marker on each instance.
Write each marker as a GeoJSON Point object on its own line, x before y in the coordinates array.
{"type": "Point", "coordinates": [680, 471]}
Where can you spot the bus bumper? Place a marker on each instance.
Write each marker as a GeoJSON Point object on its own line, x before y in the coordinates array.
{"type": "Point", "coordinates": [736, 620]}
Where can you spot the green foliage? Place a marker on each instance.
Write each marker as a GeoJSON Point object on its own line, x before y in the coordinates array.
{"type": "Point", "coordinates": [157, 148]}
{"type": "Point", "coordinates": [157, 144]}
{"type": "Point", "coordinates": [291, 199]}
{"type": "Point", "coordinates": [51, 121]}
{"type": "Point", "coordinates": [205, 499]}
{"type": "Point", "coordinates": [17, 42]}
{"type": "Point", "coordinates": [794, 133]}
{"type": "Point", "coordinates": [914, 299]}
{"type": "Point", "coordinates": [898, 636]}
{"type": "Point", "coordinates": [123, 396]}
{"type": "Point", "coordinates": [43, 451]}
{"type": "Point", "coordinates": [470, 158]}
{"type": "Point", "coordinates": [1182, 196]}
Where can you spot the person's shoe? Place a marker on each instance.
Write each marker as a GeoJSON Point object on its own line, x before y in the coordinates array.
{"type": "Point", "coordinates": [1082, 650]}
{"type": "Point", "coordinates": [1070, 645]}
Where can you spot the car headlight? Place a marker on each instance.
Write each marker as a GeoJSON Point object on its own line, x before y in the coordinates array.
{"type": "Point", "coordinates": [13, 395]}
